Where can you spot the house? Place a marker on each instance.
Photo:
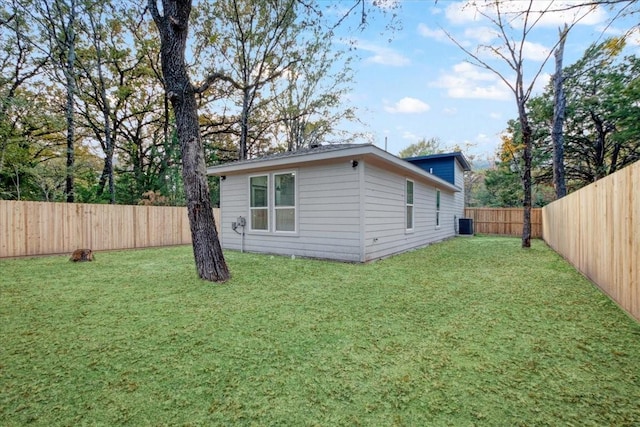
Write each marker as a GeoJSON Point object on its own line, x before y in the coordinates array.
{"type": "Point", "coordinates": [448, 166]}
{"type": "Point", "coordinates": [347, 202]}
{"type": "Point", "coordinates": [443, 165]}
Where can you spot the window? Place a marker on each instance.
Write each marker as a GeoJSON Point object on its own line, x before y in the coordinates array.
{"type": "Point", "coordinates": [437, 208]}
{"type": "Point", "coordinates": [259, 202]}
{"type": "Point", "coordinates": [272, 202]}
{"type": "Point", "coordinates": [409, 200]}
{"type": "Point", "coordinates": [285, 201]}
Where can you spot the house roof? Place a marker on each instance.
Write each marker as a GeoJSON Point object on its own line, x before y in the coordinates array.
{"type": "Point", "coordinates": [330, 154]}
{"type": "Point", "coordinates": [456, 155]}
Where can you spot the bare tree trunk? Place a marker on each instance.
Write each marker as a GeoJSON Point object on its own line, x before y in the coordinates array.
{"type": "Point", "coordinates": [173, 29]}
{"type": "Point", "coordinates": [69, 72]}
{"type": "Point", "coordinates": [559, 105]}
{"type": "Point", "coordinates": [107, 173]}
{"type": "Point", "coordinates": [527, 140]}
{"type": "Point", "coordinates": [526, 181]}
{"type": "Point", "coordinates": [244, 126]}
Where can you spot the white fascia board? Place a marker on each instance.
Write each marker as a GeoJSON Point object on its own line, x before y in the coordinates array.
{"type": "Point", "coordinates": [286, 161]}
{"type": "Point", "coordinates": [362, 152]}
{"type": "Point", "coordinates": [418, 172]}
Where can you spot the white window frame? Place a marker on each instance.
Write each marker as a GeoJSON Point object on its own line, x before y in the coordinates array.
{"type": "Point", "coordinates": [295, 202]}
{"type": "Point", "coordinates": [409, 205]}
{"type": "Point", "coordinates": [271, 208]}
{"type": "Point", "coordinates": [267, 208]}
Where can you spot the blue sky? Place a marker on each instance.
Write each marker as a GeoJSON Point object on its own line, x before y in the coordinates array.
{"type": "Point", "coordinates": [419, 85]}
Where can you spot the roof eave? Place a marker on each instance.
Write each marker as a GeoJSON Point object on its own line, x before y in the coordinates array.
{"type": "Point", "coordinates": [456, 154]}
{"type": "Point", "coordinates": [418, 172]}
{"type": "Point", "coordinates": [314, 157]}
{"type": "Point", "coordinates": [270, 163]}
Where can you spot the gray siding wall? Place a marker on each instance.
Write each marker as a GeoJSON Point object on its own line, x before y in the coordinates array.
{"type": "Point", "coordinates": [385, 221]}
{"type": "Point", "coordinates": [328, 209]}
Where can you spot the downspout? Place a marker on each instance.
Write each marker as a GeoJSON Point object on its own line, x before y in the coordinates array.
{"type": "Point", "coordinates": [362, 195]}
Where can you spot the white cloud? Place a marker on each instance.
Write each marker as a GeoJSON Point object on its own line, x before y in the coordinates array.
{"type": "Point", "coordinates": [383, 55]}
{"type": "Point", "coordinates": [404, 134]}
{"type": "Point", "coordinates": [450, 111]}
{"type": "Point", "coordinates": [409, 135]}
{"type": "Point", "coordinates": [480, 146]}
{"type": "Point", "coordinates": [541, 83]}
{"type": "Point", "coordinates": [633, 37]}
{"type": "Point", "coordinates": [473, 72]}
{"type": "Point", "coordinates": [535, 51]}
{"type": "Point", "coordinates": [462, 12]}
{"type": "Point", "coordinates": [437, 34]}
{"type": "Point", "coordinates": [482, 35]}
{"type": "Point", "coordinates": [470, 82]}
{"type": "Point", "coordinates": [548, 13]}
{"type": "Point", "coordinates": [484, 143]}
{"type": "Point", "coordinates": [530, 51]}
{"type": "Point", "coordinates": [561, 12]}
{"type": "Point", "coordinates": [408, 105]}
{"type": "Point", "coordinates": [496, 116]}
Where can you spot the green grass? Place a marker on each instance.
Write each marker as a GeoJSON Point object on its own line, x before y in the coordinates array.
{"type": "Point", "coordinates": [467, 332]}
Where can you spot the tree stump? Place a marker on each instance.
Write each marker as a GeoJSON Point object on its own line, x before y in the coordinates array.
{"type": "Point", "coordinates": [81, 255]}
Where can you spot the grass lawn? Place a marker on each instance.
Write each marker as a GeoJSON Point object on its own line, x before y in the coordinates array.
{"type": "Point", "coordinates": [467, 332]}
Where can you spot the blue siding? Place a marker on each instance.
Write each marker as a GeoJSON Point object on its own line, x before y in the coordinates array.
{"type": "Point", "coordinates": [440, 167]}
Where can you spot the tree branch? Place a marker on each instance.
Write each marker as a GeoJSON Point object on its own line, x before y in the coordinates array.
{"type": "Point", "coordinates": [214, 77]}
{"type": "Point", "coordinates": [157, 18]}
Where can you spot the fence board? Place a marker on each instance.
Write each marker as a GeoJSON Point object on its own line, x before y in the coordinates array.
{"type": "Point", "coordinates": [504, 221]}
{"type": "Point", "coordinates": [41, 228]}
{"type": "Point", "coordinates": [597, 229]}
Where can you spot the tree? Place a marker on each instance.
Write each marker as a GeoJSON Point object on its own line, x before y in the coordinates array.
{"type": "Point", "coordinates": [559, 106]}
{"type": "Point", "coordinates": [423, 147]}
{"type": "Point", "coordinates": [284, 76]}
{"type": "Point", "coordinates": [95, 73]}
{"type": "Point", "coordinates": [512, 28]}
{"type": "Point", "coordinates": [35, 133]}
{"type": "Point", "coordinates": [503, 182]}
{"type": "Point", "coordinates": [173, 28]}
{"type": "Point", "coordinates": [602, 132]}
{"type": "Point", "coordinates": [313, 99]}
{"type": "Point", "coordinates": [58, 23]}
{"type": "Point", "coordinates": [257, 43]}
{"type": "Point", "coordinates": [18, 66]}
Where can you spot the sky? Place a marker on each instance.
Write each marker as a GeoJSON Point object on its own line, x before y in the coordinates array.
{"type": "Point", "coordinates": [414, 82]}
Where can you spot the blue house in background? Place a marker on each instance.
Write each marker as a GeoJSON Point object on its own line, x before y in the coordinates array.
{"type": "Point", "coordinates": [441, 165]}
{"type": "Point", "coordinates": [451, 168]}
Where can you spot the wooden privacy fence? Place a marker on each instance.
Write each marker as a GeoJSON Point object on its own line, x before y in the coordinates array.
{"type": "Point", "coordinates": [41, 228]}
{"type": "Point", "coordinates": [504, 221]}
{"type": "Point", "coordinates": [597, 229]}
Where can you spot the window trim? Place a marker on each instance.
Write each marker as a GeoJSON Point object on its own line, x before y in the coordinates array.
{"type": "Point", "coordinates": [267, 208]}
{"type": "Point", "coordinates": [274, 208]}
{"type": "Point", "coordinates": [271, 207]}
{"type": "Point", "coordinates": [409, 205]}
